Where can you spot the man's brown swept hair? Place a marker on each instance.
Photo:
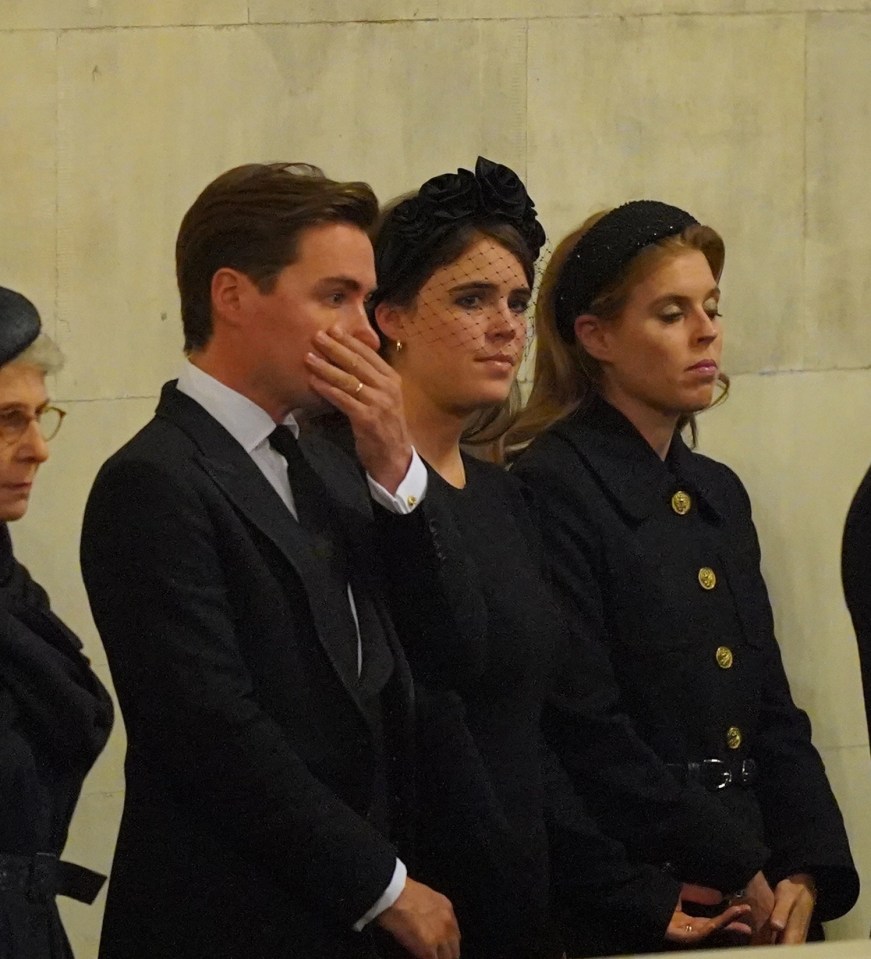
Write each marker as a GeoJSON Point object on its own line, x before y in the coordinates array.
{"type": "Point", "coordinates": [250, 219]}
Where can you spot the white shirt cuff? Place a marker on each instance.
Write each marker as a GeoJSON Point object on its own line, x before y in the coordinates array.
{"type": "Point", "coordinates": [408, 494]}
{"type": "Point", "coordinates": [387, 898]}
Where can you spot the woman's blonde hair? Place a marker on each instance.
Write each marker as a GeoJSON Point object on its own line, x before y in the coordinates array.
{"type": "Point", "coordinates": [565, 376]}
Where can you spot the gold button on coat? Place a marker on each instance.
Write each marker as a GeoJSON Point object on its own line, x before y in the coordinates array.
{"type": "Point", "coordinates": [681, 502]}
{"type": "Point", "coordinates": [707, 577]}
{"type": "Point", "coordinates": [724, 657]}
{"type": "Point", "coordinates": [733, 737]}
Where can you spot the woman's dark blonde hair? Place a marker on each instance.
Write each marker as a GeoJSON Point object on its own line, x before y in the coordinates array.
{"type": "Point", "coordinates": [566, 377]}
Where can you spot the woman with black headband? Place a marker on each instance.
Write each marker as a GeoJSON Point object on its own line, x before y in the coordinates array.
{"type": "Point", "coordinates": [54, 714]}
{"type": "Point", "coordinates": [653, 552]}
{"type": "Point", "coordinates": [455, 267]}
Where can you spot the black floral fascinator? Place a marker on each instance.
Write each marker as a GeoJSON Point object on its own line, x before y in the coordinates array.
{"type": "Point", "coordinates": [493, 193]}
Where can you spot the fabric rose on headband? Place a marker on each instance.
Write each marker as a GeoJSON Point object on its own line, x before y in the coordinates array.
{"type": "Point", "coordinates": [493, 191]}
{"type": "Point", "coordinates": [450, 197]}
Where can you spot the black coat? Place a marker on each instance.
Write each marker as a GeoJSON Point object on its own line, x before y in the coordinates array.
{"type": "Point", "coordinates": [696, 670]}
{"type": "Point", "coordinates": [55, 718]}
{"type": "Point", "coordinates": [251, 765]}
{"type": "Point", "coordinates": [479, 692]}
{"type": "Point", "coordinates": [487, 788]}
{"type": "Point", "coordinates": [855, 556]}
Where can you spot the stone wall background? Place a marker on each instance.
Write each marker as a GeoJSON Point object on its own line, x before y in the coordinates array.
{"type": "Point", "coordinates": [754, 114]}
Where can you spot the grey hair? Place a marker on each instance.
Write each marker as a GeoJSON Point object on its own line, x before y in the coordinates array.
{"type": "Point", "coordinates": [43, 353]}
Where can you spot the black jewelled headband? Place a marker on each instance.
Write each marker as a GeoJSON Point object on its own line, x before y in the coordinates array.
{"type": "Point", "coordinates": [492, 192]}
{"type": "Point", "coordinates": [605, 249]}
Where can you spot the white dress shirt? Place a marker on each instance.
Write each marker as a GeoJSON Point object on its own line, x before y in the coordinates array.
{"type": "Point", "coordinates": [250, 425]}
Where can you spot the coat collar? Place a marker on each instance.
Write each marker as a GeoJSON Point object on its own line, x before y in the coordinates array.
{"type": "Point", "coordinates": [628, 468]}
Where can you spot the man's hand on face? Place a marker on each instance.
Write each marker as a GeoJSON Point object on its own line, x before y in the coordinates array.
{"type": "Point", "coordinates": [350, 375]}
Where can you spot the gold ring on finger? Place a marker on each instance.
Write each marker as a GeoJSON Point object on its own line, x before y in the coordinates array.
{"type": "Point", "coordinates": [359, 387]}
{"type": "Point", "coordinates": [688, 927]}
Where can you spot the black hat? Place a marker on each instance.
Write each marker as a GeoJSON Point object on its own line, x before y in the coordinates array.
{"type": "Point", "coordinates": [19, 324]}
{"type": "Point", "coordinates": [420, 222]}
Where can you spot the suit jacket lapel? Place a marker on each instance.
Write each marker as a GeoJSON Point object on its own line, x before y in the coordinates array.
{"type": "Point", "coordinates": [234, 472]}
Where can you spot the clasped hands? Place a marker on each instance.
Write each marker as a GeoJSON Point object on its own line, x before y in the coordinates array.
{"type": "Point", "coordinates": [762, 915]}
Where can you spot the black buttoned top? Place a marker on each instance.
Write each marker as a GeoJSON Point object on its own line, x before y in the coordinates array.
{"type": "Point", "coordinates": [658, 566]}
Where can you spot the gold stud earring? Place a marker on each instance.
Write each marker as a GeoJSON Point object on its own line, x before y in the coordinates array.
{"type": "Point", "coordinates": [398, 346]}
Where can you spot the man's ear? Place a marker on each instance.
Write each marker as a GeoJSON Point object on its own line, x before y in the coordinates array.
{"type": "Point", "coordinates": [228, 289]}
{"type": "Point", "coordinates": [592, 334]}
{"type": "Point", "coordinates": [390, 320]}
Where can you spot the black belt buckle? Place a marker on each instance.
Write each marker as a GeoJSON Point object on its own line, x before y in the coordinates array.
{"type": "Point", "coordinates": [715, 774]}
{"type": "Point", "coordinates": [747, 772]}
{"type": "Point", "coordinates": [43, 877]}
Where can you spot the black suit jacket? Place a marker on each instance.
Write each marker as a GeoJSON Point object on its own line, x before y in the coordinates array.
{"type": "Point", "coordinates": [250, 764]}
{"type": "Point", "coordinates": [626, 564]}
{"type": "Point", "coordinates": [855, 554]}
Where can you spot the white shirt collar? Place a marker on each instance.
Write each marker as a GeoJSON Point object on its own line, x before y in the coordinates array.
{"type": "Point", "coordinates": [248, 423]}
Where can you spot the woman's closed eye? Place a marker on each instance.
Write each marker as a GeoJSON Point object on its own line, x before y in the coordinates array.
{"type": "Point", "coordinates": [712, 308]}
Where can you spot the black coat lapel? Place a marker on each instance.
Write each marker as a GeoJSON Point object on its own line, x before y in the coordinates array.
{"type": "Point", "coordinates": [233, 471]}
{"type": "Point", "coordinates": [629, 471]}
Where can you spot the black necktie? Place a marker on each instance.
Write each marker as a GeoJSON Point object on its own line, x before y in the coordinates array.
{"type": "Point", "coordinates": [309, 494]}
{"type": "Point", "coordinates": [315, 516]}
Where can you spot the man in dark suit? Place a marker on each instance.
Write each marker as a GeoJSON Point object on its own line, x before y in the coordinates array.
{"type": "Point", "coordinates": [266, 702]}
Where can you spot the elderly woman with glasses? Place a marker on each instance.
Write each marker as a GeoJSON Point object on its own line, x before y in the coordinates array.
{"type": "Point", "coordinates": [55, 716]}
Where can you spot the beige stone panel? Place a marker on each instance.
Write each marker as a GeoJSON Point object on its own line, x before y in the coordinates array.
{"type": "Point", "coordinates": [340, 11]}
{"type": "Point", "coordinates": [801, 443]}
{"type": "Point", "coordinates": [670, 108]}
{"type": "Point", "coordinates": [28, 116]}
{"type": "Point", "coordinates": [396, 103]}
{"type": "Point", "coordinates": [143, 99]}
{"type": "Point", "coordinates": [571, 9]}
{"type": "Point", "coordinates": [839, 204]}
{"type": "Point", "coordinates": [65, 14]}
{"type": "Point", "coordinates": [544, 9]}
{"type": "Point", "coordinates": [760, 6]}
{"type": "Point", "coordinates": [91, 843]}
{"type": "Point", "coordinates": [849, 773]}
{"type": "Point", "coordinates": [149, 117]}
{"type": "Point", "coordinates": [47, 539]}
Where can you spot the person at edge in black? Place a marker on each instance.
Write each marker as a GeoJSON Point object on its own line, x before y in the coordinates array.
{"type": "Point", "coordinates": [55, 716]}
{"type": "Point", "coordinates": [266, 699]}
{"type": "Point", "coordinates": [855, 551]}
{"type": "Point", "coordinates": [455, 267]}
{"type": "Point", "coordinates": [654, 554]}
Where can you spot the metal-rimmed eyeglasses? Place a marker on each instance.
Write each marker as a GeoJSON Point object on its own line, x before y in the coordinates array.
{"type": "Point", "coordinates": [14, 423]}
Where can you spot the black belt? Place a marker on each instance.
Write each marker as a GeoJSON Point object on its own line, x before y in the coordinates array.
{"type": "Point", "coordinates": [717, 773]}
{"type": "Point", "coordinates": [43, 876]}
